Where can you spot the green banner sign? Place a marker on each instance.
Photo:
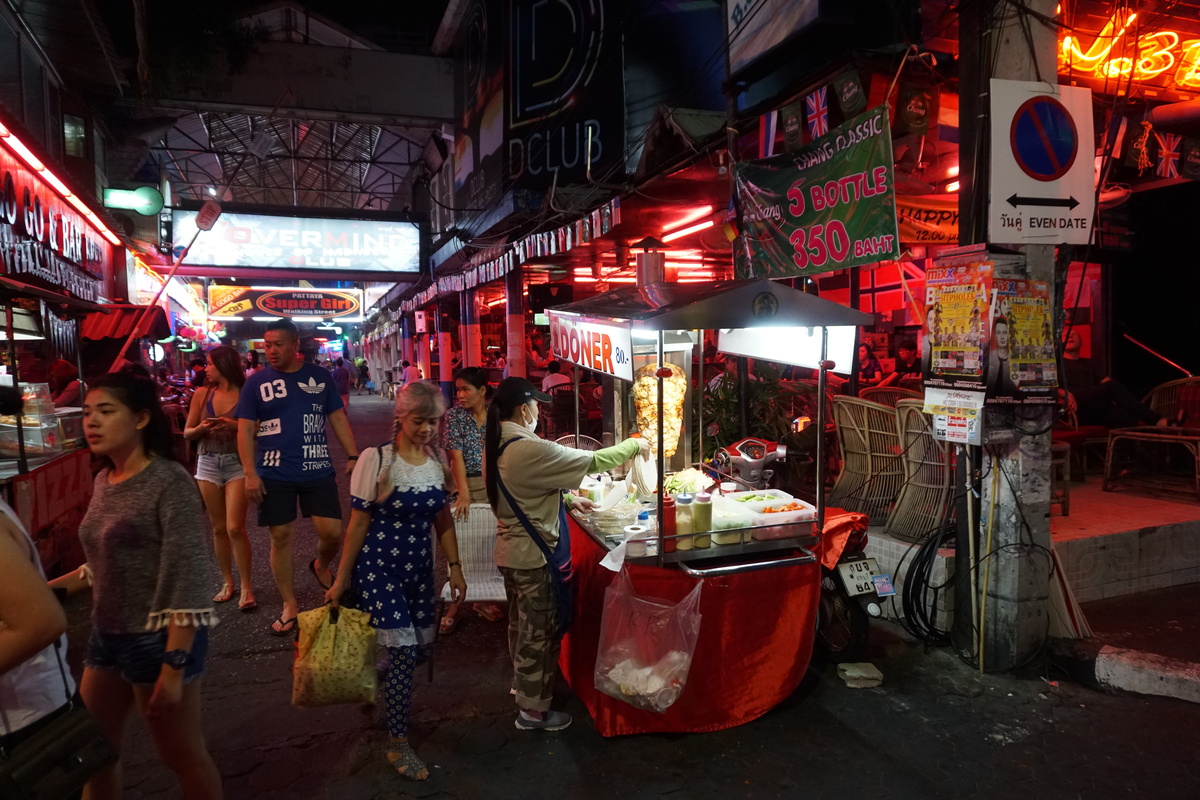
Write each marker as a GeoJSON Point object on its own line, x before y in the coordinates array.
{"type": "Point", "coordinates": [829, 205]}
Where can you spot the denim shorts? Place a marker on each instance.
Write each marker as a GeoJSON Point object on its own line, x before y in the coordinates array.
{"type": "Point", "coordinates": [219, 468]}
{"type": "Point", "coordinates": [139, 656]}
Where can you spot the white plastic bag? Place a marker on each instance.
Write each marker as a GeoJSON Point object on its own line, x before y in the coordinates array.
{"type": "Point", "coordinates": [646, 645]}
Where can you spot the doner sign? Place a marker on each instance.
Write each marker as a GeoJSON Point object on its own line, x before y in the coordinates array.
{"type": "Point", "coordinates": [600, 346]}
{"type": "Point", "coordinates": [829, 205]}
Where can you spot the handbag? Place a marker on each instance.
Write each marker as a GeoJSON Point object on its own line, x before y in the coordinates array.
{"type": "Point", "coordinates": [558, 561]}
{"type": "Point", "coordinates": [335, 658]}
{"type": "Point", "coordinates": [55, 762]}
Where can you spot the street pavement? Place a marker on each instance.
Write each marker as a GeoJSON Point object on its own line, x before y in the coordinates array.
{"type": "Point", "coordinates": [935, 728]}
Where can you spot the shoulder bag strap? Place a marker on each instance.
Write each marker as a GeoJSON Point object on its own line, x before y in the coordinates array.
{"type": "Point", "coordinates": [521, 516]}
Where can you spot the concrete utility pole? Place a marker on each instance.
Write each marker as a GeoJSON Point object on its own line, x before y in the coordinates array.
{"type": "Point", "coordinates": [999, 39]}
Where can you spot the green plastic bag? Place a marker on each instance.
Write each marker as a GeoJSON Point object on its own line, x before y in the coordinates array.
{"type": "Point", "coordinates": [335, 658]}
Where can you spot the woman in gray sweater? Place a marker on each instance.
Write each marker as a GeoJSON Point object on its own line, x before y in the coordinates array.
{"type": "Point", "coordinates": [150, 575]}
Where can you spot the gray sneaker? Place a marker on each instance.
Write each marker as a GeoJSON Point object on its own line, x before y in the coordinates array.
{"type": "Point", "coordinates": [550, 721]}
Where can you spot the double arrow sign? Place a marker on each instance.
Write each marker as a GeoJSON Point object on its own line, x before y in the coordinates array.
{"type": "Point", "coordinates": [1062, 202]}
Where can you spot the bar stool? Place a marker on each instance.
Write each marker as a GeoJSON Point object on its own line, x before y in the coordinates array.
{"type": "Point", "coordinates": [1060, 476]}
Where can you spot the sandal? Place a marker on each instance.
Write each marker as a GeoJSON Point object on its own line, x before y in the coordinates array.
{"type": "Point", "coordinates": [246, 605]}
{"type": "Point", "coordinates": [283, 627]}
{"type": "Point", "coordinates": [225, 595]}
{"type": "Point", "coordinates": [406, 763]}
{"type": "Point", "coordinates": [313, 567]}
{"type": "Point", "coordinates": [489, 611]}
{"type": "Point", "coordinates": [450, 620]}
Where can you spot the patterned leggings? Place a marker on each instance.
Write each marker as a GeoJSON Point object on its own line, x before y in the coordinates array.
{"type": "Point", "coordinates": [398, 689]}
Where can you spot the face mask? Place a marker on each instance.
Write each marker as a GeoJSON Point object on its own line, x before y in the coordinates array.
{"type": "Point", "coordinates": [531, 425]}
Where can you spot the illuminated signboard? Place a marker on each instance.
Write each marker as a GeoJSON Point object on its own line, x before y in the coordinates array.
{"type": "Point", "coordinates": [595, 344]}
{"type": "Point", "coordinates": [312, 305]}
{"type": "Point", "coordinates": [43, 235]}
{"type": "Point", "coordinates": [261, 241]}
{"type": "Point", "coordinates": [756, 26]}
{"type": "Point", "coordinates": [1108, 50]}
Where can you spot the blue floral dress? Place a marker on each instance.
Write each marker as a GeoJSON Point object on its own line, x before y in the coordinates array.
{"type": "Point", "coordinates": [393, 574]}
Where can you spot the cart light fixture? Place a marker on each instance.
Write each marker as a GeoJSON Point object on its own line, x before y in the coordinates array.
{"type": "Point", "coordinates": [700, 226]}
{"type": "Point", "coordinates": [32, 161]}
{"type": "Point", "coordinates": [952, 187]}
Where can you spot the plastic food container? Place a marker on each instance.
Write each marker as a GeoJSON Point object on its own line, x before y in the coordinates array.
{"type": "Point", "coordinates": [728, 520]}
{"type": "Point", "coordinates": [766, 496]}
{"type": "Point", "coordinates": [40, 440]}
{"type": "Point", "coordinates": [774, 525]}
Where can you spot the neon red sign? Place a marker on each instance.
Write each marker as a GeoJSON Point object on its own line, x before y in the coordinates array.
{"type": "Point", "coordinates": [1126, 49]}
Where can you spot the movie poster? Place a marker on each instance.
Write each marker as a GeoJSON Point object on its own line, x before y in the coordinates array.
{"type": "Point", "coordinates": [1021, 364]}
{"type": "Point", "coordinates": [957, 302]}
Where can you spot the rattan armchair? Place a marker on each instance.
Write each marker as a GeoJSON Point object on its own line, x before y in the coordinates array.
{"type": "Point", "coordinates": [872, 469]}
{"type": "Point", "coordinates": [1164, 398]}
{"type": "Point", "coordinates": [923, 504]}
{"type": "Point", "coordinates": [887, 395]}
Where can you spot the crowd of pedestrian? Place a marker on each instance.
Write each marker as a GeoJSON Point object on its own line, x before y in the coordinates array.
{"type": "Point", "coordinates": [261, 439]}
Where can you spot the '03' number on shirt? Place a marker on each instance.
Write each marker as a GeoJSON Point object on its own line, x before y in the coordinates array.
{"type": "Point", "coordinates": [272, 389]}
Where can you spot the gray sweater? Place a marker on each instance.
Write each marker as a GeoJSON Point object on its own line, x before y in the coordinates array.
{"type": "Point", "coordinates": [145, 540]}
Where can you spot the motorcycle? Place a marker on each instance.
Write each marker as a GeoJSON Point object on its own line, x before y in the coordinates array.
{"type": "Point", "coordinates": [852, 590]}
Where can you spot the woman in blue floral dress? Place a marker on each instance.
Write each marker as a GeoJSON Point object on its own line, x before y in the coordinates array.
{"type": "Point", "coordinates": [399, 495]}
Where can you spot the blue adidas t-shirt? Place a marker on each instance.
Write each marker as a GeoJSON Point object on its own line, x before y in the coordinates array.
{"type": "Point", "coordinates": [291, 409]}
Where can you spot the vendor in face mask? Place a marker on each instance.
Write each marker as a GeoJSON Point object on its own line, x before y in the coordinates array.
{"type": "Point", "coordinates": [522, 470]}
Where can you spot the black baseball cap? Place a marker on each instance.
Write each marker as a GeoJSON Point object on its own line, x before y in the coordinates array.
{"type": "Point", "coordinates": [514, 391]}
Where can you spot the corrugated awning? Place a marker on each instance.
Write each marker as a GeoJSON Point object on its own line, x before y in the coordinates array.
{"type": "Point", "coordinates": [121, 319]}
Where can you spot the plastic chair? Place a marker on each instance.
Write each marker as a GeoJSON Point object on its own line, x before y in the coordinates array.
{"type": "Point", "coordinates": [923, 504]}
{"type": "Point", "coordinates": [1165, 397]}
{"type": "Point", "coordinates": [476, 546]}
{"type": "Point", "coordinates": [872, 469]}
{"type": "Point", "coordinates": [887, 395]}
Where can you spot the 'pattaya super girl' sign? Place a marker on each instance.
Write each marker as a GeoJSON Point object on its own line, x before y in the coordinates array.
{"type": "Point", "coordinates": [827, 206]}
{"type": "Point", "coordinates": [592, 344]}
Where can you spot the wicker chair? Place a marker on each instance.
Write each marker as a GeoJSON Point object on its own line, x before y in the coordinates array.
{"type": "Point", "coordinates": [476, 542]}
{"type": "Point", "coordinates": [913, 385]}
{"type": "Point", "coordinates": [1165, 397]}
{"type": "Point", "coordinates": [887, 395]}
{"type": "Point", "coordinates": [872, 469]}
{"type": "Point", "coordinates": [923, 504]}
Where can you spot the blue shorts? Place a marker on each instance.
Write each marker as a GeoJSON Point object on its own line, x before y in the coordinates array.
{"type": "Point", "coordinates": [139, 656]}
{"type": "Point", "coordinates": [219, 468]}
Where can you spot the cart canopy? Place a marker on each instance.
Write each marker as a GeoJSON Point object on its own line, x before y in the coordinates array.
{"type": "Point", "coordinates": [709, 306]}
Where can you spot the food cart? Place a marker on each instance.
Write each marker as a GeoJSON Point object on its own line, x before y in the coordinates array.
{"type": "Point", "coordinates": [762, 580]}
{"type": "Point", "coordinates": [45, 471]}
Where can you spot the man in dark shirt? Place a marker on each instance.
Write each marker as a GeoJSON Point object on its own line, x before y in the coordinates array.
{"type": "Point", "coordinates": [341, 380]}
{"type": "Point", "coordinates": [908, 363]}
{"type": "Point", "coordinates": [1098, 399]}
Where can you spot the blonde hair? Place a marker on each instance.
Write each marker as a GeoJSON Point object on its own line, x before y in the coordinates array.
{"type": "Point", "coordinates": [422, 399]}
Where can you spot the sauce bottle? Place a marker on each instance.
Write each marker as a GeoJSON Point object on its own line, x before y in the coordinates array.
{"type": "Point", "coordinates": [667, 528]}
{"type": "Point", "coordinates": [683, 521]}
{"type": "Point", "coordinates": [702, 520]}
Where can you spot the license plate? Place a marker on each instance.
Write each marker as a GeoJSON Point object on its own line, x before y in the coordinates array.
{"type": "Point", "coordinates": [858, 576]}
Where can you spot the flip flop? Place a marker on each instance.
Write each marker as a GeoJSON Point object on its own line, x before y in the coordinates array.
{"type": "Point", "coordinates": [489, 611]}
{"type": "Point", "coordinates": [283, 627]}
{"type": "Point", "coordinates": [247, 605]}
{"type": "Point", "coordinates": [312, 566]}
{"type": "Point", "coordinates": [225, 595]}
{"type": "Point", "coordinates": [450, 621]}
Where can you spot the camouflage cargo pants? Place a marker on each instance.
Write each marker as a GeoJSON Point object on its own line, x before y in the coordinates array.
{"type": "Point", "coordinates": [533, 639]}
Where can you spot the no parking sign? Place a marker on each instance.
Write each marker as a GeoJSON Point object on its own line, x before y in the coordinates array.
{"type": "Point", "coordinates": [1043, 171]}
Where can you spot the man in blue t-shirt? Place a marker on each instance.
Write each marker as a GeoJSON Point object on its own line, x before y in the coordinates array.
{"type": "Point", "coordinates": [281, 415]}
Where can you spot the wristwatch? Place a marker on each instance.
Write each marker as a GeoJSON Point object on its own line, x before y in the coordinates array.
{"type": "Point", "coordinates": [177, 659]}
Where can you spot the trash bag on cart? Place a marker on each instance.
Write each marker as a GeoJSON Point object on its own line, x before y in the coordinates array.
{"type": "Point", "coordinates": [646, 645]}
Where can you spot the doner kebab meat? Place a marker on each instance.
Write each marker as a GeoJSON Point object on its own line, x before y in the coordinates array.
{"type": "Point", "coordinates": [645, 401]}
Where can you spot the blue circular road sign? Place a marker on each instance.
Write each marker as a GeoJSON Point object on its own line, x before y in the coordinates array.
{"type": "Point", "coordinates": [1044, 139]}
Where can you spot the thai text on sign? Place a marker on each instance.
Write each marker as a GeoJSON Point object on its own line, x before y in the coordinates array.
{"type": "Point", "coordinates": [599, 346]}
{"type": "Point", "coordinates": [826, 206]}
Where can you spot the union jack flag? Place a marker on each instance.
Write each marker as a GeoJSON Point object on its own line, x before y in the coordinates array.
{"type": "Point", "coordinates": [1168, 155]}
{"type": "Point", "coordinates": [817, 108]}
